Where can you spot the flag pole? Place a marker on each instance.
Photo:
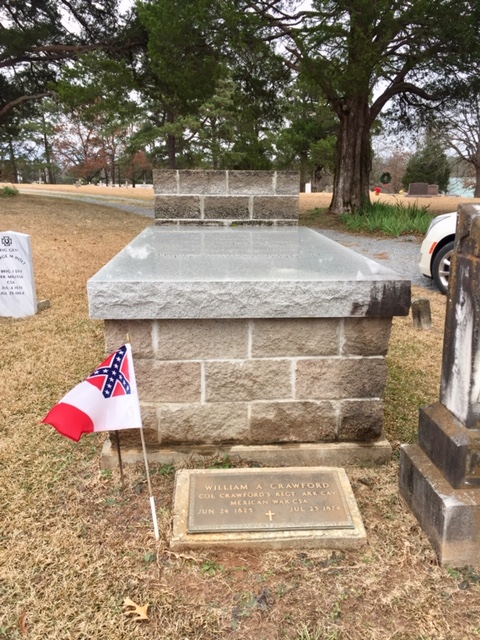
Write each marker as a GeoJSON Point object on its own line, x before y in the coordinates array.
{"type": "Point", "coordinates": [152, 499]}
{"type": "Point", "coordinates": [119, 454]}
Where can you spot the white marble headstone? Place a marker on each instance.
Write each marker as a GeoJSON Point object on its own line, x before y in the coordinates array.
{"type": "Point", "coordinates": [17, 283]}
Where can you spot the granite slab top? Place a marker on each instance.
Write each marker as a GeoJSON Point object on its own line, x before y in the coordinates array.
{"type": "Point", "coordinates": [227, 272]}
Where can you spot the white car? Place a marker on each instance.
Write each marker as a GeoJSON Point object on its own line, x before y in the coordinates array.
{"type": "Point", "coordinates": [437, 248]}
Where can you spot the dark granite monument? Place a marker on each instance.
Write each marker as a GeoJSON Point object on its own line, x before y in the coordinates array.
{"type": "Point", "coordinates": [440, 476]}
{"type": "Point", "coordinates": [422, 190]}
{"type": "Point", "coordinates": [416, 189]}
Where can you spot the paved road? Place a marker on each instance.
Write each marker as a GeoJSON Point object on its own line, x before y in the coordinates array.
{"type": "Point", "coordinates": [399, 254]}
{"type": "Point", "coordinates": [132, 205]}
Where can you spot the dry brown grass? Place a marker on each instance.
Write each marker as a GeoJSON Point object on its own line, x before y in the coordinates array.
{"type": "Point", "coordinates": [73, 545]}
{"type": "Point", "coordinates": [440, 204]}
{"type": "Point", "coordinates": [308, 201]}
{"type": "Point", "coordinates": [140, 192]}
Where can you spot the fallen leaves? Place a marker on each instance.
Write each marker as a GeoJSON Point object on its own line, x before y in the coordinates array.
{"type": "Point", "coordinates": [23, 623]}
{"type": "Point", "coordinates": [135, 611]}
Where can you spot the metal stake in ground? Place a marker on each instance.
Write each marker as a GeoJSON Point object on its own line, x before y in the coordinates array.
{"type": "Point", "coordinates": [147, 471]}
{"type": "Point", "coordinates": [120, 466]}
{"type": "Point", "coordinates": [152, 499]}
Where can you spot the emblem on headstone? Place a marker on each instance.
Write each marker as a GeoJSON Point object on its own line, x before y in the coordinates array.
{"type": "Point", "coordinates": [6, 241]}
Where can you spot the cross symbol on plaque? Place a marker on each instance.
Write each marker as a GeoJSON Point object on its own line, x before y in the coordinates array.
{"type": "Point", "coordinates": [270, 515]}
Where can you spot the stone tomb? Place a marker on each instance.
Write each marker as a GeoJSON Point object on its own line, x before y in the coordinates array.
{"type": "Point", "coordinates": [440, 476]}
{"type": "Point", "coordinates": [17, 283]}
{"type": "Point", "coordinates": [265, 344]}
{"type": "Point", "coordinates": [271, 508]}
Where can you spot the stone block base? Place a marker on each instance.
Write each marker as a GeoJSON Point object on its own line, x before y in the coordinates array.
{"type": "Point", "coordinates": [450, 517]}
{"type": "Point", "coordinates": [453, 449]}
{"type": "Point", "coordinates": [264, 344]}
{"type": "Point", "coordinates": [339, 454]}
{"type": "Point", "coordinates": [258, 381]}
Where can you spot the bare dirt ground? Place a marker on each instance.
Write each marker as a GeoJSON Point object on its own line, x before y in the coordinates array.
{"type": "Point", "coordinates": [442, 204]}
{"type": "Point", "coordinates": [74, 545]}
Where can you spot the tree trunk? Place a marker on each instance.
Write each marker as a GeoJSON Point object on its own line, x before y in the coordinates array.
{"type": "Point", "coordinates": [171, 144]}
{"type": "Point", "coordinates": [112, 170]}
{"type": "Point", "coordinates": [354, 157]}
{"type": "Point", "coordinates": [315, 179]}
{"type": "Point", "coordinates": [48, 155]}
{"type": "Point", "coordinates": [477, 181]}
{"type": "Point", "coordinates": [13, 161]}
{"type": "Point", "coordinates": [215, 146]}
{"type": "Point", "coordinates": [171, 150]}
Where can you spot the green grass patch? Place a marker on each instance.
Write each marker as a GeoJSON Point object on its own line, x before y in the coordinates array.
{"type": "Point", "coordinates": [393, 220]}
{"type": "Point", "coordinates": [314, 217]}
{"type": "Point", "coordinates": [8, 192]}
{"type": "Point", "coordinates": [321, 218]}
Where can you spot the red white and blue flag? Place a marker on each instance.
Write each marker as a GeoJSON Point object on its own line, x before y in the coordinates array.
{"type": "Point", "coordinates": [106, 401]}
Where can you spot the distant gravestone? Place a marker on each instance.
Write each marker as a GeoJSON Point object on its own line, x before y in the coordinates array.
{"type": "Point", "coordinates": [421, 313]}
{"type": "Point", "coordinates": [416, 189]}
{"type": "Point", "coordinates": [17, 284]}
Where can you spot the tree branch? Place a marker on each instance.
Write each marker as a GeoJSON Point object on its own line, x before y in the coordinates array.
{"type": "Point", "coordinates": [58, 52]}
{"type": "Point", "coordinates": [5, 110]}
{"type": "Point", "coordinates": [394, 90]}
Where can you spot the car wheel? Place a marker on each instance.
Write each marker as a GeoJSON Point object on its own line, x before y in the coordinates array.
{"type": "Point", "coordinates": [441, 266]}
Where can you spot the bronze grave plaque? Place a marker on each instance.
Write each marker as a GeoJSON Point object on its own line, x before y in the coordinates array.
{"type": "Point", "coordinates": [267, 499]}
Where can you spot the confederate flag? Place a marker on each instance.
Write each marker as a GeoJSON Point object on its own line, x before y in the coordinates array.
{"type": "Point", "coordinates": [106, 401]}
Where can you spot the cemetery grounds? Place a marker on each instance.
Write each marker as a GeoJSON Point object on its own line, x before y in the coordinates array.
{"type": "Point", "coordinates": [74, 545]}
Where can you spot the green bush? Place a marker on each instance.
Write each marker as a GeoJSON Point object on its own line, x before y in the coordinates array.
{"type": "Point", "coordinates": [394, 220]}
{"type": "Point", "coordinates": [8, 192]}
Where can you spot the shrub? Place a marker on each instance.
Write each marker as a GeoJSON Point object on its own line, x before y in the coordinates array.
{"type": "Point", "coordinates": [8, 192]}
{"type": "Point", "coordinates": [394, 220]}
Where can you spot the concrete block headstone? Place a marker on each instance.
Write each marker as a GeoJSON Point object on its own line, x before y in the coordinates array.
{"type": "Point", "coordinates": [17, 284]}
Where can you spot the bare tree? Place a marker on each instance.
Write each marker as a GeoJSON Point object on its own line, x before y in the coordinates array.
{"type": "Point", "coordinates": [459, 128]}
